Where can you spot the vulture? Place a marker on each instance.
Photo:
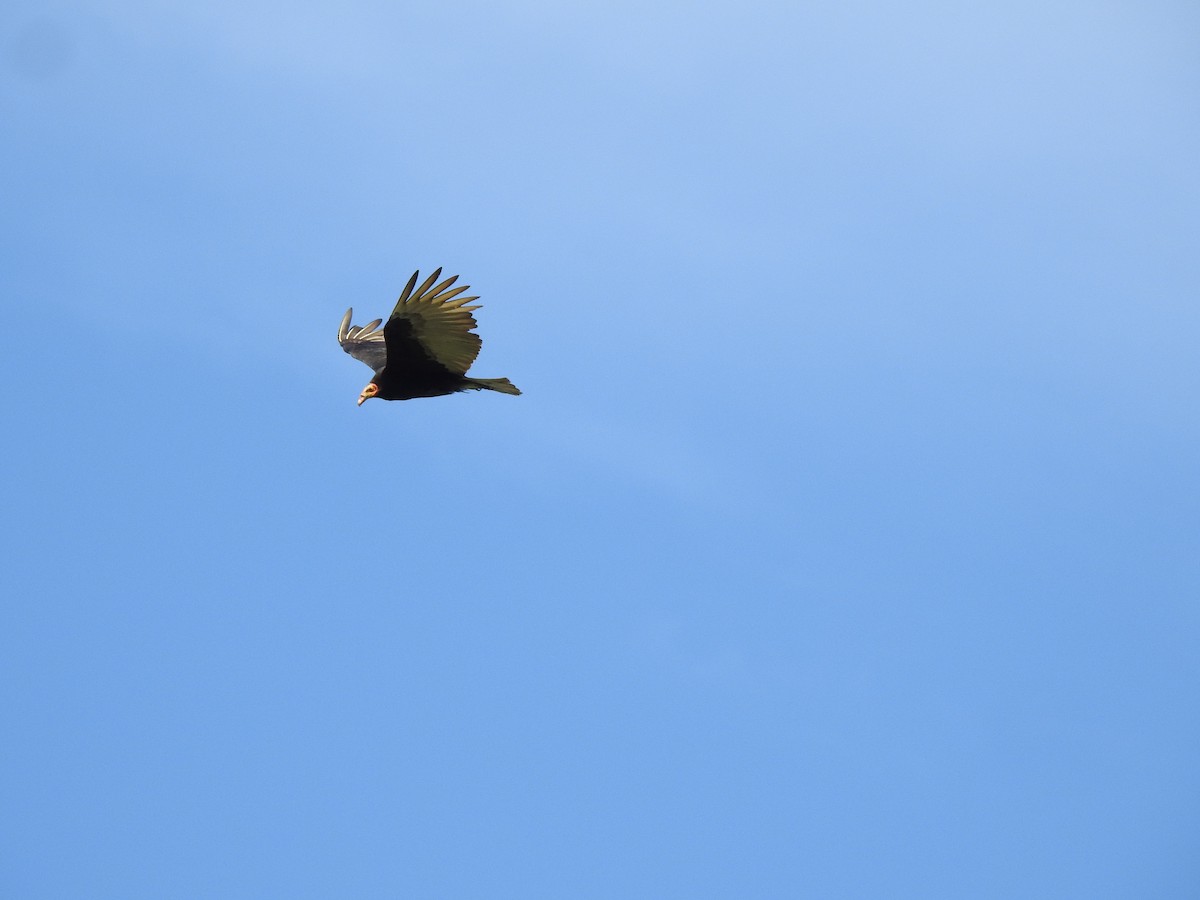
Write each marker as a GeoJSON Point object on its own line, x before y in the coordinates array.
{"type": "Point", "coordinates": [426, 346]}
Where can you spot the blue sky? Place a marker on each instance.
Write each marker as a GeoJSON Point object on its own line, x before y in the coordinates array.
{"type": "Point", "coordinates": [843, 543]}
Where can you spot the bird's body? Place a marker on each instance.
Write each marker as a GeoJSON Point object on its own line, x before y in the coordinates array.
{"type": "Point", "coordinates": [426, 346]}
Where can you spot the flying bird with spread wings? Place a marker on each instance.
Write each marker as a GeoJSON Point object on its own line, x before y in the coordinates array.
{"type": "Point", "coordinates": [426, 346]}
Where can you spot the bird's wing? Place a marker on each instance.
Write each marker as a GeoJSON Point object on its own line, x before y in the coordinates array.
{"type": "Point", "coordinates": [365, 343]}
{"type": "Point", "coordinates": [432, 324]}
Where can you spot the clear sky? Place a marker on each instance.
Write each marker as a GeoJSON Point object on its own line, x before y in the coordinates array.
{"type": "Point", "coordinates": [845, 541]}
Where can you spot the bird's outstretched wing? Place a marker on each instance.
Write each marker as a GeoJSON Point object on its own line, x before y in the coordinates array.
{"type": "Point", "coordinates": [363, 343]}
{"type": "Point", "coordinates": [432, 324]}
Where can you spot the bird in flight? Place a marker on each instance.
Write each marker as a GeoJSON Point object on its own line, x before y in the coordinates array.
{"type": "Point", "coordinates": [426, 346]}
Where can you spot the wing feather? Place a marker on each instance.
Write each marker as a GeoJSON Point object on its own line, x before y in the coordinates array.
{"type": "Point", "coordinates": [408, 287]}
{"type": "Point", "coordinates": [365, 344]}
{"type": "Point", "coordinates": [432, 324]}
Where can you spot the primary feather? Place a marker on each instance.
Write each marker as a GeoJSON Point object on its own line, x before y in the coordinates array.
{"type": "Point", "coordinates": [364, 343]}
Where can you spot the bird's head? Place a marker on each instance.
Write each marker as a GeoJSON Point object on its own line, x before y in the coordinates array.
{"type": "Point", "coordinates": [368, 392]}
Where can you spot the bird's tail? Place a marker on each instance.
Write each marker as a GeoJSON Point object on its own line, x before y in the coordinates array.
{"type": "Point", "coordinates": [503, 385]}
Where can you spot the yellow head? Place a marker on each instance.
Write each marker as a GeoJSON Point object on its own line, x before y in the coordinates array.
{"type": "Point", "coordinates": [368, 392]}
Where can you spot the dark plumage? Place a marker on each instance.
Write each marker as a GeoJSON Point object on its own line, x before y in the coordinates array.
{"type": "Point", "coordinates": [426, 347]}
